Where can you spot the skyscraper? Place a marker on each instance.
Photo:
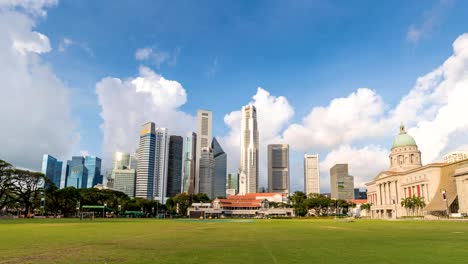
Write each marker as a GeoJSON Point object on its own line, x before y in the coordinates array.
{"type": "Point", "coordinates": [145, 164]}
{"type": "Point", "coordinates": [204, 123]}
{"type": "Point", "coordinates": [190, 147]}
{"type": "Point", "coordinates": [311, 174]}
{"type": "Point", "coordinates": [207, 172]}
{"type": "Point", "coordinates": [249, 147]}
{"type": "Point", "coordinates": [278, 168]}
{"type": "Point", "coordinates": [161, 162]}
{"type": "Point", "coordinates": [93, 165]}
{"type": "Point", "coordinates": [232, 184]}
{"type": "Point", "coordinates": [77, 177]}
{"type": "Point", "coordinates": [121, 160]}
{"type": "Point", "coordinates": [124, 181]}
{"type": "Point", "coordinates": [220, 158]}
{"type": "Point", "coordinates": [52, 169]}
{"type": "Point", "coordinates": [174, 171]}
{"type": "Point", "coordinates": [341, 183]}
{"type": "Point", "coordinates": [83, 172]}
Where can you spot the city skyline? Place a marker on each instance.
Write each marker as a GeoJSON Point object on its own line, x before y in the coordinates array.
{"type": "Point", "coordinates": [312, 90]}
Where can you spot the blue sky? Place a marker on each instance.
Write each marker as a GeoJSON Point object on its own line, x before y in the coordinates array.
{"type": "Point", "coordinates": [310, 52]}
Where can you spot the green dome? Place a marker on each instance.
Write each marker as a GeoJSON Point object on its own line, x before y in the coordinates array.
{"type": "Point", "coordinates": [403, 139]}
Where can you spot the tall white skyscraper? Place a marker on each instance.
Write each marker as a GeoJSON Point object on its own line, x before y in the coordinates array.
{"type": "Point", "coordinates": [145, 164]}
{"type": "Point", "coordinates": [311, 174]}
{"type": "Point", "coordinates": [204, 124]}
{"type": "Point", "coordinates": [160, 164]}
{"type": "Point", "coordinates": [249, 147]}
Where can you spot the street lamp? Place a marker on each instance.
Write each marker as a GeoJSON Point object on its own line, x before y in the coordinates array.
{"type": "Point", "coordinates": [103, 210]}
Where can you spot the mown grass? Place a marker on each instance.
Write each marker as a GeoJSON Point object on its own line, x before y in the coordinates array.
{"type": "Point", "coordinates": [259, 241]}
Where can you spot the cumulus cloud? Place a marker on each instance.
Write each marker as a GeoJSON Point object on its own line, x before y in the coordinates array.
{"type": "Point", "coordinates": [343, 121]}
{"type": "Point", "coordinates": [273, 114]}
{"type": "Point", "coordinates": [363, 163]}
{"type": "Point", "coordinates": [35, 104]}
{"type": "Point", "coordinates": [34, 7]}
{"type": "Point", "coordinates": [128, 104]}
{"type": "Point", "coordinates": [156, 56]}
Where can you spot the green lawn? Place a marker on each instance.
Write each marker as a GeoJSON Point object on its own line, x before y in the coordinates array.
{"type": "Point", "coordinates": [210, 241]}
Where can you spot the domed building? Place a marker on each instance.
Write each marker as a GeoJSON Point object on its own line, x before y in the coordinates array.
{"type": "Point", "coordinates": [407, 177]}
{"type": "Point", "coordinates": [404, 154]}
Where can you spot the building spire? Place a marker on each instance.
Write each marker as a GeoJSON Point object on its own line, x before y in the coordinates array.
{"type": "Point", "coordinates": [402, 129]}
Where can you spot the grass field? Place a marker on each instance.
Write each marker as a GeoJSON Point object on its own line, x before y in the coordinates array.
{"type": "Point", "coordinates": [210, 241]}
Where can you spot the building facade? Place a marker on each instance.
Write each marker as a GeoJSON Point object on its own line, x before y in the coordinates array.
{"type": "Point", "coordinates": [52, 169]}
{"type": "Point", "coordinates": [311, 174]}
{"type": "Point", "coordinates": [124, 181]}
{"type": "Point", "coordinates": [90, 169]}
{"type": "Point", "coordinates": [341, 183]}
{"type": "Point", "coordinates": [232, 184]}
{"type": "Point", "coordinates": [93, 165]}
{"type": "Point", "coordinates": [220, 159]}
{"type": "Point", "coordinates": [190, 163]}
{"type": "Point", "coordinates": [121, 161]}
{"type": "Point", "coordinates": [440, 185]}
{"type": "Point", "coordinates": [161, 164]}
{"type": "Point", "coordinates": [455, 156]}
{"type": "Point", "coordinates": [249, 147]}
{"type": "Point", "coordinates": [204, 125]}
{"type": "Point", "coordinates": [174, 170]}
{"type": "Point", "coordinates": [207, 172]}
{"type": "Point", "coordinates": [278, 168]}
{"type": "Point", "coordinates": [145, 162]}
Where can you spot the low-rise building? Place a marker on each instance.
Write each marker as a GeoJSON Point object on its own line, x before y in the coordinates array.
{"type": "Point", "coordinates": [252, 205]}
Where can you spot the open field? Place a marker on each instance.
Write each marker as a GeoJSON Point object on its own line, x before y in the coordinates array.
{"type": "Point", "coordinates": [249, 241]}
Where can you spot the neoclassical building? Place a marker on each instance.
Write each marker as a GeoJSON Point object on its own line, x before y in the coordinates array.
{"type": "Point", "coordinates": [407, 177]}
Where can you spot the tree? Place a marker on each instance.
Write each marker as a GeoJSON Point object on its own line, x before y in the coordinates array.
{"type": "Point", "coordinates": [297, 199]}
{"type": "Point", "coordinates": [5, 184]}
{"type": "Point", "coordinates": [63, 201]}
{"type": "Point", "coordinates": [27, 186]}
{"type": "Point", "coordinates": [408, 204]}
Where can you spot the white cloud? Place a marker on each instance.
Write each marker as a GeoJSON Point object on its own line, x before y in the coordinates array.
{"type": "Point", "coordinates": [34, 7]}
{"type": "Point", "coordinates": [128, 104]}
{"type": "Point", "coordinates": [64, 44]}
{"type": "Point", "coordinates": [273, 114]}
{"type": "Point", "coordinates": [363, 163]}
{"type": "Point", "coordinates": [35, 104]}
{"type": "Point", "coordinates": [343, 121]}
{"type": "Point", "coordinates": [432, 18]}
{"type": "Point", "coordinates": [157, 57]}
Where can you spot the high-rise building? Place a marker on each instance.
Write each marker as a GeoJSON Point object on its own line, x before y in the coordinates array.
{"type": "Point", "coordinates": [90, 169]}
{"type": "Point", "coordinates": [311, 174]}
{"type": "Point", "coordinates": [52, 169]}
{"type": "Point", "coordinates": [93, 165]}
{"type": "Point", "coordinates": [124, 181]}
{"type": "Point", "coordinates": [232, 184]}
{"type": "Point", "coordinates": [190, 147]}
{"type": "Point", "coordinates": [249, 147]}
{"type": "Point", "coordinates": [174, 171]}
{"type": "Point", "coordinates": [220, 158]}
{"type": "Point", "coordinates": [242, 183]}
{"type": "Point", "coordinates": [161, 163]}
{"type": "Point", "coordinates": [121, 161]}
{"type": "Point", "coordinates": [75, 161]}
{"type": "Point", "coordinates": [207, 172]}
{"type": "Point", "coordinates": [77, 177]}
{"type": "Point", "coordinates": [146, 159]}
{"type": "Point", "coordinates": [278, 168]}
{"type": "Point", "coordinates": [341, 183]}
{"type": "Point", "coordinates": [204, 124]}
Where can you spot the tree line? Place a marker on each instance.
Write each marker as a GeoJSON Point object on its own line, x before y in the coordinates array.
{"type": "Point", "coordinates": [26, 193]}
{"type": "Point", "coordinates": [318, 204]}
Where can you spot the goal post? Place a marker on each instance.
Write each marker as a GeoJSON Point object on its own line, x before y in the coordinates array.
{"type": "Point", "coordinates": [87, 216]}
